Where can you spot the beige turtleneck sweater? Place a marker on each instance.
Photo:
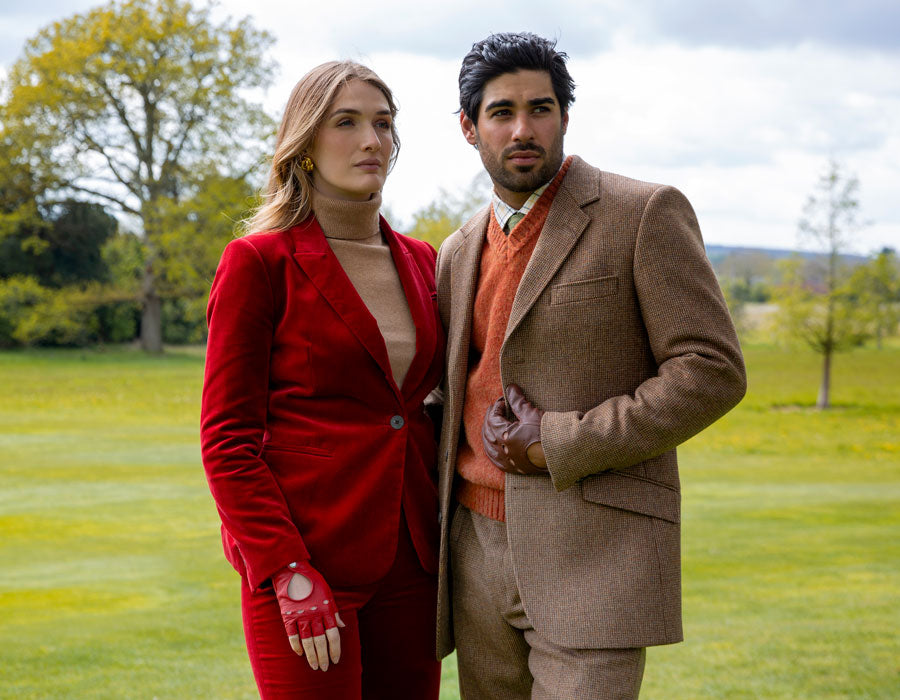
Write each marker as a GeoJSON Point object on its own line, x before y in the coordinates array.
{"type": "Point", "coordinates": [352, 231]}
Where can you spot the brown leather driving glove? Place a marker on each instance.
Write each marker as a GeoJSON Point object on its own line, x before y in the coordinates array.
{"type": "Point", "coordinates": [506, 442]}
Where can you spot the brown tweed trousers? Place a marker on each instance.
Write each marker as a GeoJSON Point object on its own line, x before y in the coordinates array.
{"type": "Point", "coordinates": [620, 333]}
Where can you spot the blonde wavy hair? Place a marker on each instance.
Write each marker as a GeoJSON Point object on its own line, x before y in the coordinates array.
{"type": "Point", "coordinates": [286, 197]}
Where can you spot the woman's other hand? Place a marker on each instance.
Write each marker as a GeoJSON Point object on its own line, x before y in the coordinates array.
{"type": "Point", "coordinates": [309, 613]}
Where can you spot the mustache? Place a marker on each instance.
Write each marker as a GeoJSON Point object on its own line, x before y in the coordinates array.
{"type": "Point", "coordinates": [522, 148]}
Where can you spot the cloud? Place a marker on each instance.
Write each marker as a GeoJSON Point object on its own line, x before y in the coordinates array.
{"type": "Point", "coordinates": [22, 20]}
{"type": "Point", "coordinates": [739, 107]}
{"type": "Point", "coordinates": [586, 28]}
{"type": "Point", "coordinates": [862, 24]}
{"type": "Point", "coordinates": [730, 108]}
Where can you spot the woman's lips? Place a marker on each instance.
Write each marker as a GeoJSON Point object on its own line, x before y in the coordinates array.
{"type": "Point", "coordinates": [370, 165]}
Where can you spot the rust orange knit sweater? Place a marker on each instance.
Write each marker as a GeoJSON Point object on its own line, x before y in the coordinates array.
{"type": "Point", "coordinates": [503, 260]}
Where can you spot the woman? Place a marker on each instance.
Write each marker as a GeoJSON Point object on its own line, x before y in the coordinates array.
{"type": "Point", "coordinates": [324, 340]}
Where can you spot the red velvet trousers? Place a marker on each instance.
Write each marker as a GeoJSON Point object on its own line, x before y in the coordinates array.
{"type": "Point", "coordinates": [387, 647]}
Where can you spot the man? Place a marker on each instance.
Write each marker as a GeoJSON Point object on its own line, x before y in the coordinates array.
{"type": "Point", "coordinates": [597, 318]}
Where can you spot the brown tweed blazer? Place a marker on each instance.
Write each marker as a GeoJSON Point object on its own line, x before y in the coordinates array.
{"type": "Point", "coordinates": [620, 333]}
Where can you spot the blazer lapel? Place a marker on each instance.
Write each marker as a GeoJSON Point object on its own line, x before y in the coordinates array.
{"type": "Point", "coordinates": [318, 261]}
{"type": "Point", "coordinates": [418, 297]}
{"type": "Point", "coordinates": [463, 283]}
{"type": "Point", "coordinates": [564, 225]}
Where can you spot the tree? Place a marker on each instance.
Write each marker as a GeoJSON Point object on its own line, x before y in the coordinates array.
{"type": "Point", "coordinates": [127, 103]}
{"type": "Point", "coordinates": [75, 241]}
{"type": "Point", "coordinates": [437, 220]}
{"type": "Point", "coordinates": [876, 285]}
{"type": "Point", "coordinates": [743, 275]}
{"type": "Point", "coordinates": [196, 232]}
{"type": "Point", "coordinates": [737, 307]}
{"type": "Point", "coordinates": [59, 248]}
{"type": "Point", "coordinates": [21, 222]}
{"type": "Point", "coordinates": [816, 303]}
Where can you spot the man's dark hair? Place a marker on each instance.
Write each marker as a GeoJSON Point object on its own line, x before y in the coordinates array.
{"type": "Point", "coordinates": [509, 52]}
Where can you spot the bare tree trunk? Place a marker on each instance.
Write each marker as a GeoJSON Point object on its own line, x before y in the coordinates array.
{"type": "Point", "coordinates": [824, 400]}
{"type": "Point", "coordinates": [151, 315]}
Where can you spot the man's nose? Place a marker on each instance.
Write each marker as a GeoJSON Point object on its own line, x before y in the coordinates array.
{"type": "Point", "coordinates": [522, 129]}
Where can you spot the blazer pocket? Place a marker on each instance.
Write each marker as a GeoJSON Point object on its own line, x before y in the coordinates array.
{"type": "Point", "coordinates": [635, 494]}
{"type": "Point", "coordinates": [297, 449]}
{"type": "Point", "coordinates": [583, 290]}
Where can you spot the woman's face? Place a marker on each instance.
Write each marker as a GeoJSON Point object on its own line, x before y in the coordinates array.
{"type": "Point", "coordinates": [353, 145]}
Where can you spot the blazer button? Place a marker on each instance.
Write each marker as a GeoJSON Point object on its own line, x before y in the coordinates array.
{"type": "Point", "coordinates": [397, 422]}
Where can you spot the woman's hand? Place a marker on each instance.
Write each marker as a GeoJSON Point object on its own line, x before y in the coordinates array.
{"type": "Point", "coordinates": [309, 613]}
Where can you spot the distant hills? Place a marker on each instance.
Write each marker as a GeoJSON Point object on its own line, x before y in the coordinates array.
{"type": "Point", "coordinates": [717, 253]}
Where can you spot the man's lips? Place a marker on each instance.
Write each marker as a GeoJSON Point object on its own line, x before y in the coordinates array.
{"type": "Point", "coordinates": [524, 157]}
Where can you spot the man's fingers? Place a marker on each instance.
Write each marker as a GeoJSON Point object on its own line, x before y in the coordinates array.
{"type": "Point", "coordinates": [517, 400]}
{"type": "Point", "coordinates": [294, 639]}
{"type": "Point", "coordinates": [321, 644]}
{"type": "Point", "coordinates": [334, 643]}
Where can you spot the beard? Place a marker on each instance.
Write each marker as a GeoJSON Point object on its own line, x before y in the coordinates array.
{"type": "Point", "coordinates": [523, 178]}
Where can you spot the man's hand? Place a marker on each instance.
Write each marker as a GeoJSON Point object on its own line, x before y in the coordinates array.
{"type": "Point", "coordinates": [309, 613]}
{"type": "Point", "coordinates": [514, 446]}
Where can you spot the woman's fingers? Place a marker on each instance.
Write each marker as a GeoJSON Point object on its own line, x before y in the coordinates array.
{"type": "Point", "coordinates": [311, 655]}
{"type": "Point", "coordinates": [334, 643]}
{"type": "Point", "coordinates": [321, 644]}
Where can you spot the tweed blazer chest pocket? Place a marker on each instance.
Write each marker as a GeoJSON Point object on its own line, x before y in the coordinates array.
{"type": "Point", "coordinates": [583, 290]}
{"type": "Point", "coordinates": [638, 495]}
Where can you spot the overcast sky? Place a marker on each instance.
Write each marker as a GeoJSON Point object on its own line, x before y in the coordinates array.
{"type": "Point", "coordinates": [738, 104]}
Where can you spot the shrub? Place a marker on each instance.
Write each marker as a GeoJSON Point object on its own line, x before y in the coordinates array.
{"type": "Point", "coordinates": [18, 296]}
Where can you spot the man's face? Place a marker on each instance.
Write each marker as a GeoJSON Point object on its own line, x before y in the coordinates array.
{"type": "Point", "coordinates": [519, 133]}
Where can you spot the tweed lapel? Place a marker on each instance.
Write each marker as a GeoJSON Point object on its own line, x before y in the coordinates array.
{"type": "Point", "coordinates": [463, 283]}
{"type": "Point", "coordinates": [323, 269]}
{"type": "Point", "coordinates": [565, 223]}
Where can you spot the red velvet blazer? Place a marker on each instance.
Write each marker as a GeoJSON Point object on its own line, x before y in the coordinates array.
{"type": "Point", "coordinates": [309, 445]}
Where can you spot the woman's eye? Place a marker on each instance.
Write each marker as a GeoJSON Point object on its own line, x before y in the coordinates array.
{"type": "Point", "coordinates": [383, 124]}
{"type": "Point", "coordinates": [345, 122]}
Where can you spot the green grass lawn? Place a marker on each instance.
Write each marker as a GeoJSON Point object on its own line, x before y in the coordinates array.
{"type": "Point", "coordinates": [113, 585]}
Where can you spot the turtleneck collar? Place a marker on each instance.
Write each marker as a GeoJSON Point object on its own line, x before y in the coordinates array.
{"type": "Point", "coordinates": [344, 219]}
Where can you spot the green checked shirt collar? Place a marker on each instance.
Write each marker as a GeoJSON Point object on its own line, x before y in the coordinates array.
{"type": "Point", "coordinates": [503, 212]}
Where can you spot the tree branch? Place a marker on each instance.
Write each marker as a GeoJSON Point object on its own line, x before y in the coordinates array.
{"type": "Point", "coordinates": [122, 112]}
{"type": "Point", "coordinates": [131, 185]}
{"type": "Point", "coordinates": [107, 197]}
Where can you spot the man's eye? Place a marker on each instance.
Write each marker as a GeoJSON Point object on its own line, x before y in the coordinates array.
{"type": "Point", "coordinates": [501, 113]}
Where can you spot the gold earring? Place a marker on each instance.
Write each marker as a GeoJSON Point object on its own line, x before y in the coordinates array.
{"type": "Point", "coordinates": [306, 164]}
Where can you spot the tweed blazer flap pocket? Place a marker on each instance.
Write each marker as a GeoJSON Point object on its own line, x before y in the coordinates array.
{"type": "Point", "coordinates": [619, 490]}
{"type": "Point", "coordinates": [583, 290]}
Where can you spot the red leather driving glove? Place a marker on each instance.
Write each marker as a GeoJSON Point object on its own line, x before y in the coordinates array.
{"type": "Point", "coordinates": [312, 615]}
{"type": "Point", "coordinates": [506, 442]}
